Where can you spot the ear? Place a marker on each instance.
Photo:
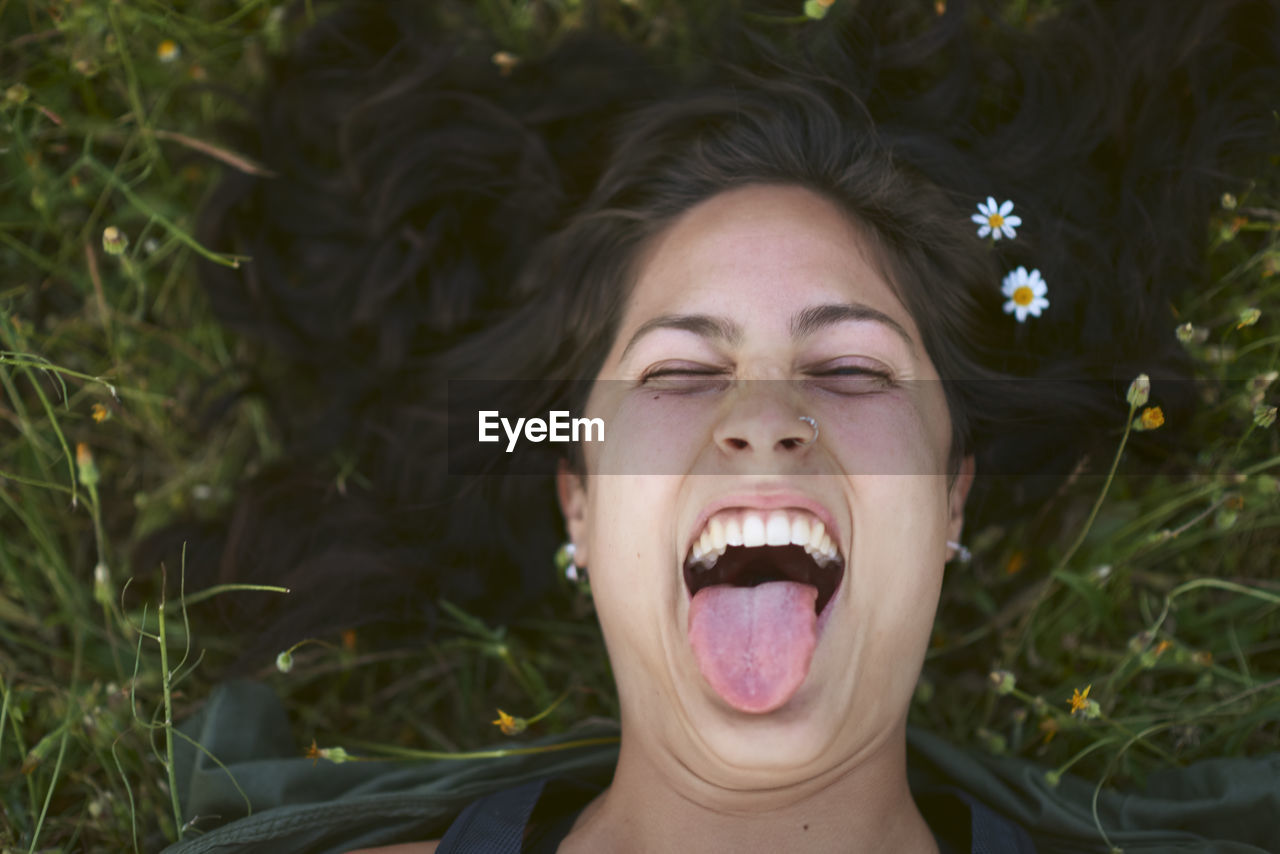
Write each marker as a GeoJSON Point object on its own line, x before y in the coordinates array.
{"type": "Point", "coordinates": [958, 495]}
{"type": "Point", "coordinates": [571, 488]}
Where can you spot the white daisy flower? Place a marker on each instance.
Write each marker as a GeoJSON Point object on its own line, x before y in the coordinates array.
{"type": "Point", "coordinates": [996, 221]}
{"type": "Point", "coordinates": [168, 50]}
{"type": "Point", "coordinates": [1025, 292]}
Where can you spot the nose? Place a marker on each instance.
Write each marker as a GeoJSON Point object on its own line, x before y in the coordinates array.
{"type": "Point", "coordinates": [763, 419]}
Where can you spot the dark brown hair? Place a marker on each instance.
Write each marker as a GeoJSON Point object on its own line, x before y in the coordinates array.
{"type": "Point", "coordinates": [432, 219]}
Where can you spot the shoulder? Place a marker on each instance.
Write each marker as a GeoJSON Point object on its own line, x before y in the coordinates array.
{"type": "Point", "coordinates": [407, 848]}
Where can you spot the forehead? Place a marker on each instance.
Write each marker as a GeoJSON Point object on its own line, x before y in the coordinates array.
{"type": "Point", "coordinates": [761, 246]}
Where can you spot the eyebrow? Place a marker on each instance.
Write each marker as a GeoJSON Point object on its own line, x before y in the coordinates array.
{"type": "Point", "coordinates": [704, 325]}
{"type": "Point", "coordinates": [819, 317]}
{"type": "Point", "coordinates": [803, 324]}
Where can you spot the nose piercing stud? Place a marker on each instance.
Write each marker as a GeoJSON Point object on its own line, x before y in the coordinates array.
{"type": "Point", "coordinates": [812, 422]}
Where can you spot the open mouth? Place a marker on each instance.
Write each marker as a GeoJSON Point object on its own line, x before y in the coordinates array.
{"type": "Point", "coordinates": [746, 548]}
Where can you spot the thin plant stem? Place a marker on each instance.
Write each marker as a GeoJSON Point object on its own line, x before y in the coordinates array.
{"type": "Point", "coordinates": [168, 711]}
{"type": "Point", "coordinates": [1050, 582]}
{"type": "Point", "coordinates": [125, 190]}
{"type": "Point", "coordinates": [411, 753]}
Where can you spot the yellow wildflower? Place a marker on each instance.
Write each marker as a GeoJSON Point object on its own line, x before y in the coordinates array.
{"type": "Point", "coordinates": [1080, 699]}
{"type": "Point", "coordinates": [99, 413]}
{"type": "Point", "coordinates": [508, 724]}
{"type": "Point", "coordinates": [1151, 418]}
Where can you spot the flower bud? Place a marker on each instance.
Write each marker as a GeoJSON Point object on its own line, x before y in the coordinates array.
{"type": "Point", "coordinates": [1248, 317]}
{"type": "Point", "coordinates": [1003, 681]}
{"type": "Point", "coordinates": [336, 755]}
{"type": "Point", "coordinates": [284, 661]}
{"type": "Point", "coordinates": [114, 241]}
{"type": "Point", "coordinates": [102, 592]}
{"type": "Point", "coordinates": [85, 466]}
{"type": "Point", "coordinates": [1139, 390]}
{"type": "Point", "coordinates": [816, 9]}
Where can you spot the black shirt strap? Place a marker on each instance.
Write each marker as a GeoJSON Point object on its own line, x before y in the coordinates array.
{"type": "Point", "coordinates": [992, 833]}
{"type": "Point", "coordinates": [493, 824]}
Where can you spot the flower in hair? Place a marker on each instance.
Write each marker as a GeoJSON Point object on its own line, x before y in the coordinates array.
{"type": "Point", "coordinates": [1026, 293]}
{"type": "Point", "coordinates": [996, 220]}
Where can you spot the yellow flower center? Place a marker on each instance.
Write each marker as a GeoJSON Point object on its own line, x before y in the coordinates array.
{"type": "Point", "coordinates": [1152, 417]}
{"type": "Point", "coordinates": [995, 220]}
{"type": "Point", "coordinates": [1023, 295]}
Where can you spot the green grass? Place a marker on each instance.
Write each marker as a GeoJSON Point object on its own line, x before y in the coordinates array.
{"type": "Point", "coordinates": [1167, 604]}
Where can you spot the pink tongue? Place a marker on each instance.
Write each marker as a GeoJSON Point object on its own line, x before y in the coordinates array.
{"type": "Point", "coordinates": [754, 644]}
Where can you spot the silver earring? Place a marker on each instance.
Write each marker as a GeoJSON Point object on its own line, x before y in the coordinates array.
{"type": "Point", "coordinates": [564, 562]}
{"type": "Point", "coordinates": [962, 554]}
{"type": "Point", "coordinates": [812, 422]}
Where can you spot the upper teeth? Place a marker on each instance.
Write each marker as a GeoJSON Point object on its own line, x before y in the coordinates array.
{"type": "Point", "coordinates": [753, 528]}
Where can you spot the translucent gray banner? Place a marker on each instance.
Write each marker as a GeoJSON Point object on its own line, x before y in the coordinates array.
{"type": "Point", "coordinates": [848, 423]}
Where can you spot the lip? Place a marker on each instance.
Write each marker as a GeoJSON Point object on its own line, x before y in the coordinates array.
{"type": "Point", "coordinates": [764, 499]}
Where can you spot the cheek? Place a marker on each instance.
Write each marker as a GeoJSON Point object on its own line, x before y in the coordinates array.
{"type": "Point", "coordinates": [890, 433]}
{"type": "Point", "coordinates": [654, 433]}
{"type": "Point", "coordinates": [632, 572]}
{"type": "Point", "coordinates": [629, 520]}
{"type": "Point", "coordinates": [899, 553]}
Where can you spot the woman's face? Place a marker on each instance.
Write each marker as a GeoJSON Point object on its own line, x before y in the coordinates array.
{"type": "Point", "coordinates": [757, 307]}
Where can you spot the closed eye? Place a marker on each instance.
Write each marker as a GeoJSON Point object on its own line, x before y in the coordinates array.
{"type": "Point", "coordinates": [680, 372]}
{"type": "Point", "coordinates": [852, 379]}
{"type": "Point", "coordinates": [685, 378]}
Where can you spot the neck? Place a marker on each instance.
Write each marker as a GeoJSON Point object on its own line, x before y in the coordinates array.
{"type": "Point", "coordinates": [657, 803]}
